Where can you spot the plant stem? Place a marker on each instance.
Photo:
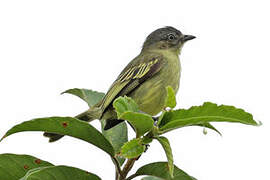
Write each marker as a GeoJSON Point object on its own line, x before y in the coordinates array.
{"type": "Point", "coordinates": [117, 168]}
{"type": "Point", "coordinates": [116, 175]}
{"type": "Point", "coordinates": [132, 176]}
{"type": "Point", "coordinates": [128, 167]}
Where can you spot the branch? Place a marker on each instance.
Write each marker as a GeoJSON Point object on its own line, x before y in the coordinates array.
{"type": "Point", "coordinates": [132, 176]}
{"type": "Point", "coordinates": [128, 166]}
{"type": "Point", "coordinates": [117, 167]}
{"type": "Point", "coordinates": [116, 175]}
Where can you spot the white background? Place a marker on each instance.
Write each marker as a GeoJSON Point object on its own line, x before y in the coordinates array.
{"type": "Point", "coordinates": [49, 46]}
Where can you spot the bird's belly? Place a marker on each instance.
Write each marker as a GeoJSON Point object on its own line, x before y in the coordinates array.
{"type": "Point", "coordinates": [151, 95]}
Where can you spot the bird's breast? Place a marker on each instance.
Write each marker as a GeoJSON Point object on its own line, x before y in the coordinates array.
{"type": "Point", "coordinates": [151, 95]}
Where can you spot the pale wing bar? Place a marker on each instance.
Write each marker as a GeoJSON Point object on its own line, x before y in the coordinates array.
{"type": "Point", "coordinates": [137, 71]}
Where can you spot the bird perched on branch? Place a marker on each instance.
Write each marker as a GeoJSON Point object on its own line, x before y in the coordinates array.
{"type": "Point", "coordinates": [144, 79]}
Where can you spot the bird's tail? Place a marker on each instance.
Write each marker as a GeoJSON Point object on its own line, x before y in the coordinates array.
{"type": "Point", "coordinates": [90, 115]}
{"type": "Point", "coordinates": [87, 116]}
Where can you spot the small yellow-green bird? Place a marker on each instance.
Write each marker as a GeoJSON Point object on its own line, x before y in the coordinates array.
{"type": "Point", "coordinates": [144, 79]}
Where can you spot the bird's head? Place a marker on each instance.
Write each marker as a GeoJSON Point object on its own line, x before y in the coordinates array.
{"type": "Point", "coordinates": [166, 38]}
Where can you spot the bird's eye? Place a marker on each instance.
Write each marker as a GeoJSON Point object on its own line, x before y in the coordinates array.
{"type": "Point", "coordinates": [171, 37]}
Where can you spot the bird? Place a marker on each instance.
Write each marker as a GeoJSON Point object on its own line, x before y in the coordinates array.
{"type": "Point", "coordinates": [144, 79]}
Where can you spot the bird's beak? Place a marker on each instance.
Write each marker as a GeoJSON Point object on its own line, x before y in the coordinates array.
{"type": "Point", "coordinates": [186, 38]}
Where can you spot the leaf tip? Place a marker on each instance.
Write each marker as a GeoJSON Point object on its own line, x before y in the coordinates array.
{"type": "Point", "coordinates": [3, 138]}
{"type": "Point", "coordinates": [64, 92]}
{"type": "Point", "coordinates": [259, 123]}
{"type": "Point", "coordinates": [170, 99]}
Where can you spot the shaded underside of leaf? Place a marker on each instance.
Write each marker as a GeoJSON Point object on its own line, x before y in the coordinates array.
{"type": "Point", "coordinates": [89, 96]}
{"type": "Point", "coordinates": [59, 173]}
{"type": "Point", "coordinates": [160, 170]}
{"type": "Point", "coordinates": [168, 150]}
{"type": "Point", "coordinates": [14, 167]}
{"type": "Point", "coordinates": [117, 136]}
{"type": "Point", "coordinates": [66, 126]}
{"type": "Point", "coordinates": [208, 112]}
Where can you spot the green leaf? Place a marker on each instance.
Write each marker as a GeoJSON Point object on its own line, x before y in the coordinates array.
{"type": "Point", "coordinates": [147, 140]}
{"type": "Point", "coordinates": [170, 100]}
{"type": "Point", "coordinates": [33, 171]}
{"type": "Point", "coordinates": [160, 170]}
{"type": "Point", "coordinates": [163, 112]}
{"type": "Point", "coordinates": [66, 126]}
{"type": "Point", "coordinates": [208, 112]}
{"type": "Point", "coordinates": [89, 96]}
{"type": "Point", "coordinates": [125, 104]}
{"type": "Point", "coordinates": [151, 178]}
{"type": "Point", "coordinates": [127, 109]}
{"type": "Point", "coordinates": [117, 136]}
{"type": "Point", "coordinates": [59, 173]}
{"type": "Point", "coordinates": [132, 149]}
{"type": "Point", "coordinates": [13, 166]}
{"type": "Point", "coordinates": [168, 150]}
{"type": "Point", "coordinates": [142, 123]}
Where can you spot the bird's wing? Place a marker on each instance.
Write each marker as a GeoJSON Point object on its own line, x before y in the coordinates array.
{"type": "Point", "coordinates": [132, 77]}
